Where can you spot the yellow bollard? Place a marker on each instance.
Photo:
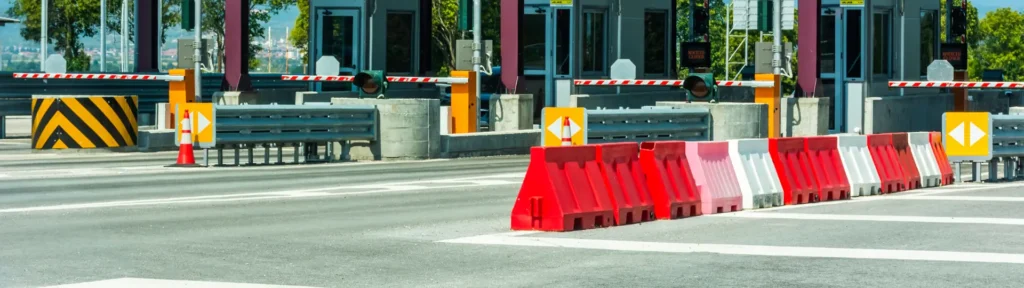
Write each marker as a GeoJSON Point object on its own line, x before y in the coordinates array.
{"type": "Point", "coordinates": [770, 96]}
{"type": "Point", "coordinates": [180, 92]}
{"type": "Point", "coordinates": [464, 103]}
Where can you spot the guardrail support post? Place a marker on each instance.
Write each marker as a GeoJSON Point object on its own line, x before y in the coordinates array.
{"type": "Point", "coordinates": [1009, 165]}
{"type": "Point", "coordinates": [3, 126]}
{"type": "Point", "coordinates": [280, 154]}
{"type": "Point", "coordinates": [976, 172]}
{"type": "Point", "coordinates": [180, 92]}
{"type": "Point", "coordinates": [957, 172]}
{"type": "Point", "coordinates": [770, 96]}
{"type": "Point", "coordinates": [266, 154]}
{"type": "Point", "coordinates": [237, 160]}
{"type": "Point", "coordinates": [464, 104]}
{"type": "Point", "coordinates": [993, 170]}
{"type": "Point", "coordinates": [250, 153]}
{"type": "Point", "coordinates": [220, 156]}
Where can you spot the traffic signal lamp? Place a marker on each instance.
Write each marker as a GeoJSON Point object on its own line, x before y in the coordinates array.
{"type": "Point", "coordinates": [765, 15]}
{"type": "Point", "coordinates": [701, 87]}
{"type": "Point", "coordinates": [701, 20]}
{"type": "Point", "coordinates": [371, 83]}
{"type": "Point", "coordinates": [958, 19]}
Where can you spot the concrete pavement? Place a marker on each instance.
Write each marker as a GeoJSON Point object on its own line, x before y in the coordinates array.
{"type": "Point", "coordinates": [445, 224]}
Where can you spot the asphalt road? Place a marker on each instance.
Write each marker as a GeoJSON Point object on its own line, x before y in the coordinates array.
{"type": "Point", "coordinates": [125, 220]}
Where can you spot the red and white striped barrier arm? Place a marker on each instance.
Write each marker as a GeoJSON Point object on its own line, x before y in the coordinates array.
{"type": "Point", "coordinates": [98, 76]}
{"type": "Point", "coordinates": [395, 79]}
{"type": "Point", "coordinates": [756, 84]}
{"type": "Point", "coordinates": [956, 84]}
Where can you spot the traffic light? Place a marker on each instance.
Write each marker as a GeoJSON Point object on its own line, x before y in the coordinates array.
{"type": "Point", "coordinates": [371, 83]}
{"type": "Point", "coordinates": [188, 14]}
{"type": "Point", "coordinates": [958, 19]}
{"type": "Point", "coordinates": [700, 21]}
{"type": "Point", "coordinates": [701, 87]}
{"type": "Point", "coordinates": [465, 15]}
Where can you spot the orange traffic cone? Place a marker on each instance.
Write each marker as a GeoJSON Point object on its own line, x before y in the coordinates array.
{"type": "Point", "coordinates": [566, 132]}
{"type": "Point", "coordinates": [186, 158]}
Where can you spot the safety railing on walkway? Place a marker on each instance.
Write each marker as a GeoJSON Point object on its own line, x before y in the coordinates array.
{"type": "Point", "coordinates": [279, 126]}
{"type": "Point", "coordinates": [648, 124]}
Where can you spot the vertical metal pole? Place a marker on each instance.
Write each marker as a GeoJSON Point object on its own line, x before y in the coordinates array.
{"type": "Point", "coordinates": [477, 56]}
{"type": "Point", "coordinates": [44, 35]}
{"type": "Point", "coordinates": [103, 35]}
{"type": "Point", "coordinates": [369, 64]}
{"type": "Point", "coordinates": [295, 153]}
{"type": "Point", "coordinates": [618, 40]}
{"type": "Point", "coordinates": [220, 156]}
{"type": "Point", "coordinates": [206, 157]}
{"type": "Point", "coordinates": [777, 46]}
{"type": "Point", "coordinates": [124, 35]}
{"type": "Point", "coordinates": [266, 154]}
{"type": "Point", "coordinates": [976, 172]}
{"type": "Point", "coordinates": [250, 153]}
{"type": "Point", "coordinates": [237, 160]}
{"type": "Point", "coordinates": [280, 154]}
{"type": "Point", "coordinates": [198, 54]}
{"type": "Point", "coordinates": [1009, 165]}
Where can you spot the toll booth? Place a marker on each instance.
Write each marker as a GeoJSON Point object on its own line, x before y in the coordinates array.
{"type": "Point", "coordinates": [904, 39]}
{"type": "Point", "coordinates": [389, 35]}
{"type": "Point", "coordinates": [545, 40]}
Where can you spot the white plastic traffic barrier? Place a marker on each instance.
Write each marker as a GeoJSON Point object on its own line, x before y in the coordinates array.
{"type": "Point", "coordinates": [860, 169]}
{"type": "Point", "coordinates": [921, 147]}
{"type": "Point", "coordinates": [759, 182]}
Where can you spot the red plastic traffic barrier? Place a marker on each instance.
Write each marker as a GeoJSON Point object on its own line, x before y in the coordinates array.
{"type": "Point", "coordinates": [669, 179]}
{"type": "Point", "coordinates": [714, 176]}
{"type": "Point", "coordinates": [827, 167]}
{"type": "Point", "coordinates": [794, 167]}
{"type": "Point", "coordinates": [620, 167]}
{"type": "Point", "coordinates": [884, 156]}
{"type": "Point", "coordinates": [940, 156]}
{"type": "Point", "coordinates": [911, 176]}
{"type": "Point", "coordinates": [563, 191]}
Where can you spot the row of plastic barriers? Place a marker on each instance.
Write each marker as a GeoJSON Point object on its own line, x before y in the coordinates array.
{"type": "Point", "coordinates": [583, 187]}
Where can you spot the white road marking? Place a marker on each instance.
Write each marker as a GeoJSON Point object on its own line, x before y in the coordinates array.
{"type": "Point", "coordinates": [161, 283]}
{"type": "Point", "coordinates": [965, 198]}
{"type": "Point", "coordinates": [414, 186]}
{"type": "Point", "coordinates": [749, 250]}
{"type": "Point", "coordinates": [877, 218]}
{"type": "Point", "coordinates": [141, 170]}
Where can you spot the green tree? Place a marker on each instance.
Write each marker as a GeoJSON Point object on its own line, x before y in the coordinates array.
{"type": "Point", "coordinates": [299, 37]}
{"type": "Point", "coordinates": [444, 25]}
{"type": "Point", "coordinates": [260, 13]}
{"type": "Point", "coordinates": [1001, 44]}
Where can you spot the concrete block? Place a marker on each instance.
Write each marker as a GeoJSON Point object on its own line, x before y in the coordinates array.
{"type": "Point", "coordinates": [805, 116]}
{"type": "Point", "coordinates": [307, 97]}
{"type": "Point", "coordinates": [156, 140]}
{"type": "Point", "coordinates": [490, 143]}
{"type": "Point", "coordinates": [280, 97]}
{"type": "Point", "coordinates": [511, 112]}
{"type": "Point", "coordinates": [1016, 110]}
{"type": "Point", "coordinates": [905, 113]}
{"type": "Point", "coordinates": [732, 120]}
{"type": "Point", "coordinates": [408, 129]}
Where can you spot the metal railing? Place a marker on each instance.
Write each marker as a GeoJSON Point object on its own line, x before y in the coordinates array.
{"type": "Point", "coordinates": [648, 124]}
{"type": "Point", "coordinates": [1007, 147]}
{"type": "Point", "coordinates": [149, 92]}
{"type": "Point", "coordinates": [251, 126]}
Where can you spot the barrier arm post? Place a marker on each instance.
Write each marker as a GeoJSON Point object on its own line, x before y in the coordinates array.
{"type": "Point", "coordinates": [772, 97]}
{"type": "Point", "coordinates": [180, 92]}
{"type": "Point", "coordinates": [960, 102]}
{"type": "Point", "coordinates": [464, 104]}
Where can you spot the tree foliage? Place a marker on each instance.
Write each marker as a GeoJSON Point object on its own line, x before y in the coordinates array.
{"type": "Point", "coordinates": [299, 36]}
{"type": "Point", "coordinates": [72, 20]}
{"type": "Point", "coordinates": [444, 26]}
{"type": "Point", "coordinates": [1001, 42]}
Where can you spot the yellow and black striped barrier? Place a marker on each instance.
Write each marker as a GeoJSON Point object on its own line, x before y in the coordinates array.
{"type": "Point", "coordinates": [66, 122]}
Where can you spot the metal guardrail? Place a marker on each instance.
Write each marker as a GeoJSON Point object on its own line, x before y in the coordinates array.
{"type": "Point", "coordinates": [149, 92]}
{"type": "Point", "coordinates": [649, 124]}
{"type": "Point", "coordinates": [250, 126]}
{"type": "Point", "coordinates": [1007, 135]}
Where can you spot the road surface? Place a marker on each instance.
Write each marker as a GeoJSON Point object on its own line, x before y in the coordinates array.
{"type": "Point", "coordinates": [124, 220]}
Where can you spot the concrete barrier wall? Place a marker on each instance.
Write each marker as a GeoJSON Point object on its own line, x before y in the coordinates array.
{"type": "Point", "coordinates": [630, 100]}
{"type": "Point", "coordinates": [804, 116]}
{"type": "Point", "coordinates": [511, 112]}
{"type": "Point", "coordinates": [906, 113]}
{"type": "Point", "coordinates": [408, 129]}
{"type": "Point", "coordinates": [489, 143]}
{"type": "Point", "coordinates": [280, 97]}
{"type": "Point", "coordinates": [732, 120]}
{"type": "Point", "coordinates": [305, 97]}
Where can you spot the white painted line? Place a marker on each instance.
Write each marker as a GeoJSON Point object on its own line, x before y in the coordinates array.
{"type": "Point", "coordinates": [749, 250]}
{"type": "Point", "coordinates": [876, 218]}
{"type": "Point", "coordinates": [414, 186]}
{"type": "Point", "coordinates": [161, 283]}
{"type": "Point", "coordinates": [964, 198]}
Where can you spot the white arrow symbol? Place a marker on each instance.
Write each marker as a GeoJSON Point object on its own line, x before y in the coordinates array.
{"type": "Point", "coordinates": [556, 127]}
{"type": "Point", "coordinates": [976, 134]}
{"type": "Point", "coordinates": [958, 133]}
{"type": "Point", "coordinates": [203, 122]}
